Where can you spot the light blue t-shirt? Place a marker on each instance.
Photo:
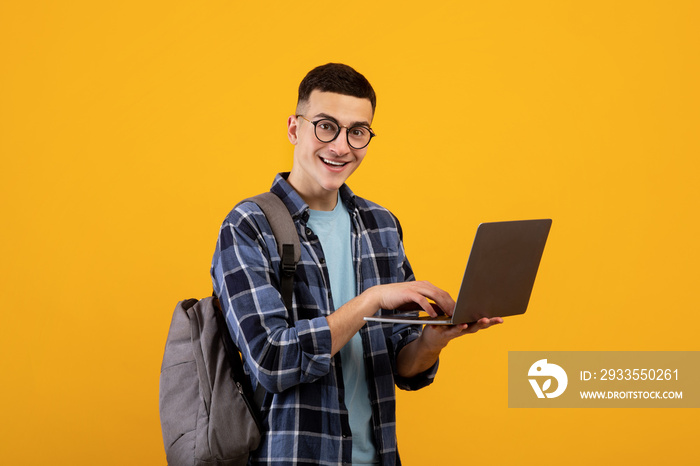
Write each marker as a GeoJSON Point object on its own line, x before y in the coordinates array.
{"type": "Point", "coordinates": [333, 231]}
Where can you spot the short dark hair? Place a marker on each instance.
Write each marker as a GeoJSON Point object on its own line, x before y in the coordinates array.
{"type": "Point", "coordinates": [338, 78]}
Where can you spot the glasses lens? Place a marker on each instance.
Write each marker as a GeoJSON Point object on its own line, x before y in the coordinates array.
{"type": "Point", "coordinates": [326, 130]}
{"type": "Point", "coordinates": [359, 136]}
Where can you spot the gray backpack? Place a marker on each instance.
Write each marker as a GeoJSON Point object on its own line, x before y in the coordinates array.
{"type": "Point", "coordinates": [207, 412]}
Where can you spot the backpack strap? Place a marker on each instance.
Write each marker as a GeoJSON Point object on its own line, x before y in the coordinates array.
{"type": "Point", "coordinates": [287, 239]}
{"type": "Point", "coordinates": [289, 248]}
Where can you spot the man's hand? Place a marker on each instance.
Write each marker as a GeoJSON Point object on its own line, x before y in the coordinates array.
{"type": "Point", "coordinates": [419, 355]}
{"type": "Point", "coordinates": [409, 294]}
{"type": "Point", "coordinates": [438, 336]}
{"type": "Point", "coordinates": [406, 295]}
{"type": "Point", "coordinates": [349, 318]}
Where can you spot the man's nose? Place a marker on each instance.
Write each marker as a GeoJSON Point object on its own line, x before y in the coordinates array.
{"type": "Point", "coordinates": [340, 144]}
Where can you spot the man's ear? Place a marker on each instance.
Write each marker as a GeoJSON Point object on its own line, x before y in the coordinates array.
{"type": "Point", "coordinates": [293, 129]}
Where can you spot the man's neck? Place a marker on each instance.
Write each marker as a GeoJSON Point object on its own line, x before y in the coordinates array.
{"type": "Point", "coordinates": [317, 199]}
{"type": "Point", "coordinates": [327, 202]}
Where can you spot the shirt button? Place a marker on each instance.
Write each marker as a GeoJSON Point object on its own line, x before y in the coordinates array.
{"type": "Point", "coordinates": [309, 232]}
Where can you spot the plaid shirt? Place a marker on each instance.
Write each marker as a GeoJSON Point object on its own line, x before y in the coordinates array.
{"type": "Point", "coordinates": [305, 420]}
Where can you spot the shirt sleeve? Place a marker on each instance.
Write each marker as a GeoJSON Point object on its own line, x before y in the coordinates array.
{"type": "Point", "coordinates": [405, 334]}
{"type": "Point", "coordinates": [279, 351]}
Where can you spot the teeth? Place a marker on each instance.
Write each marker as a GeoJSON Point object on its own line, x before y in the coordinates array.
{"type": "Point", "coordinates": [335, 164]}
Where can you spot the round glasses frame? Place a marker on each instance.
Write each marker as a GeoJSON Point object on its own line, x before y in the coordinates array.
{"type": "Point", "coordinates": [347, 131]}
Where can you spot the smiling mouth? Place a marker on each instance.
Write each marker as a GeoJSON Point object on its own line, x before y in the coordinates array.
{"type": "Point", "coordinates": [333, 164]}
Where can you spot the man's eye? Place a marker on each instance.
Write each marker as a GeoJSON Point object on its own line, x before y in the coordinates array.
{"type": "Point", "coordinates": [327, 125]}
{"type": "Point", "coordinates": [358, 132]}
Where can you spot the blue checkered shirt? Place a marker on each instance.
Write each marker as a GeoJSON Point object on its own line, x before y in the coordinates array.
{"type": "Point", "coordinates": [305, 420]}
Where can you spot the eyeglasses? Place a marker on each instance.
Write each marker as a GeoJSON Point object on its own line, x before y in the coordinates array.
{"type": "Point", "coordinates": [326, 130]}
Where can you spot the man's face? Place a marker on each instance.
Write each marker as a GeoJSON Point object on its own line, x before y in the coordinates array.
{"type": "Point", "coordinates": [320, 168]}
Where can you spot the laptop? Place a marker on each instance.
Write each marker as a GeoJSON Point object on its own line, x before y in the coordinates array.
{"type": "Point", "coordinates": [499, 276]}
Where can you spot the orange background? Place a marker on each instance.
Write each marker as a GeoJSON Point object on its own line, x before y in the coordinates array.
{"type": "Point", "coordinates": [128, 130]}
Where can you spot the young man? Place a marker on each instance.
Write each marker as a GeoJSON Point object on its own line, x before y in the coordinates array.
{"type": "Point", "coordinates": [329, 376]}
